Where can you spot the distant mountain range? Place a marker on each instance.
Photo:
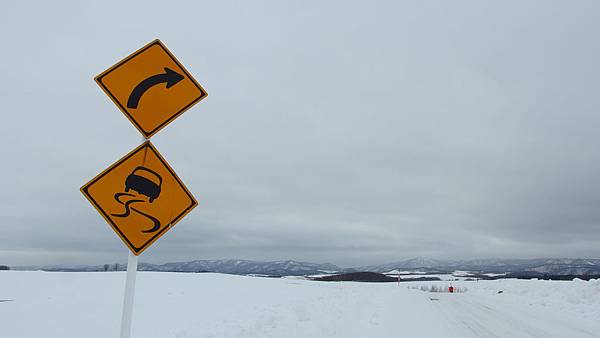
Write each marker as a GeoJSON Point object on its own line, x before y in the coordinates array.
{"type": "Point", "coordinates": [550, 266]}
{"type": "Point", "coordinates": [540, 266]}
{"type": "Point", "coordinates": [245, 267]}
{"type": "Point", "coordinates": [229, 266]}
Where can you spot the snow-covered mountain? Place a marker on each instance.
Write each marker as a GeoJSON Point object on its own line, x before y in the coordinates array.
{"type": "Point", "coordinates": [244, 267]}
{"type": "Point", "coordinates": [550, 266]}
{"type": "Point", "coordinates": [229, 266]}
{"type": "Point", "coordinates": [412, 264]}
{"type": "Point", "coordinates": [541, 266]}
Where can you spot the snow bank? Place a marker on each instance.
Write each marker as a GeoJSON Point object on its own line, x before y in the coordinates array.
{"type": "Point", "coordinates": [578, 296]}
{"type": "Point", "coordinates": [185, 305]}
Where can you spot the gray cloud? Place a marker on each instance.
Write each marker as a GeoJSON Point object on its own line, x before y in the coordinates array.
{"type": "Point", "coordinates": [345, 132]}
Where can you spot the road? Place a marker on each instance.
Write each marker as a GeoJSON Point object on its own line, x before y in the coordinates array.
{"type": "Point", "coordinates": [500, 315]}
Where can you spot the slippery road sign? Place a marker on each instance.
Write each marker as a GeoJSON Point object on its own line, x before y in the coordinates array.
{"type": "Point", "coordinates": [151, 87]}
{"type": "Point", "coordinates": [140, 196]}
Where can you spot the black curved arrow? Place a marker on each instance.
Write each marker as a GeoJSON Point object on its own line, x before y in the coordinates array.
{"type": "Point", "coordinates": [169, 77]}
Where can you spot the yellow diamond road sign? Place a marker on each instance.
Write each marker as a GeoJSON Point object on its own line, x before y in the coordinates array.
{"type": "Point", "coordinates": [140, 196]}
{"type": "Point", "coordinates": [151, 87]}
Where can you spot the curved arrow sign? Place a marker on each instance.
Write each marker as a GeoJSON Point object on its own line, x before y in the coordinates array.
{"type": "Point", "coordinates": [169, 77]}
{"type": "Point", "coordinates": [151, 87]}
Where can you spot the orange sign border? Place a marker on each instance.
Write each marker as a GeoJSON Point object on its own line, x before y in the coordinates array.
{"type": "Point", "coordinates": [99, 77]}
{"type": "Point", "coordinates": [138, 251]}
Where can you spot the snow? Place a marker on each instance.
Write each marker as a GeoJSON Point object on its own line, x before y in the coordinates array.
{"type": "Point", "coordinates": [460, 273]}
{"type": "Point", "coordinates": [404, 272]}
{"type": "Point", "coordinates": [491, 274]}
{"type": "Point", "coordinates": [44, 304]}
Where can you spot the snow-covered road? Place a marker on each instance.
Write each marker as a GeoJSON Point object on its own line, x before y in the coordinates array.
{"type": "Point", "coordinates": [213, 305]}
{"type": "Point", "coordinates": [496, 317]}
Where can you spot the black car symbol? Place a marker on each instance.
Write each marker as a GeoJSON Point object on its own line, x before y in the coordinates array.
{"type": "Point", "coordinates": [145, 182]}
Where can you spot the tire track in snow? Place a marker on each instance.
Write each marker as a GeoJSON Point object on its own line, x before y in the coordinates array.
{"type": "Point", "coordinates": [501, 319]}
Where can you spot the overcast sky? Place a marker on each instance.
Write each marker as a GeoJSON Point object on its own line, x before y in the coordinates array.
{"type": "Point", "coordinates": [343, 132]}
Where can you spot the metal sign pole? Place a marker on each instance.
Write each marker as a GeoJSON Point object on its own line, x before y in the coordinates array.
{"type": "Point", "coordinates": [132, 263]}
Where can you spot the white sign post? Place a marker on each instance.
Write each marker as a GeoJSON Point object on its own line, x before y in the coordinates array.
{"type": "Point", "coordinates": [132, 263]}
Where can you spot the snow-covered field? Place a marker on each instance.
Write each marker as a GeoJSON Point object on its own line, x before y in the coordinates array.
{"type": "Point", "coordinates": [88, 305]}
